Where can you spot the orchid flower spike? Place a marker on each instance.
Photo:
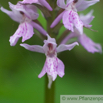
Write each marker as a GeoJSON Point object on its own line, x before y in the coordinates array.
{"type": "Point", "coordinates": [24, 14]}
{"type": "Point", "coordinates": [70, 16]}
{"type": "Point", "coordinates": [85, 41]}
{"type": "Point", "coordinates": [53, 65]}
{"type": "Point", "coordinates": [41, 2]}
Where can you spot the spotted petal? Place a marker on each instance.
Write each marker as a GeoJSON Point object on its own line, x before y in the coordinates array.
{"type": "Point", "coordinates": [25, 30]}
{"type": "Point", "coordinates": [50, 67]}
{"type": "Point", "coordinates": [70, 19]}
{"type": "Point", "coordinates": [60, 69]}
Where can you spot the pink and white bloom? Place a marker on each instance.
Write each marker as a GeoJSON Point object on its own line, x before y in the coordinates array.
{"type": "Point", "coordinates": [85, 41]}
{"type": "Point", "coordinates": [70, 16]}
{"type": "Point", "coordinates": [41, 2]}
{"type": "Point", "coordinates": [24, 14]}
{"type": "Point", "coordinates": [53, 65]}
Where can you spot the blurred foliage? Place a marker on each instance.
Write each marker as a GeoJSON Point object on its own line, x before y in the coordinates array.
{"type": "Point", "coordinates": [19, 68]}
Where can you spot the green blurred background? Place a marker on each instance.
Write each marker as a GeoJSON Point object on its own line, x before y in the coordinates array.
{"type": "Point", "coordinates": [19, 68]}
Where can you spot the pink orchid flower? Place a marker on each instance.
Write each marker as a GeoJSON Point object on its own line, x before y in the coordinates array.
{"type": "Point", "coordinates": [70, 16]}
{"type": "Point", "coordinates": [24, 14]}
{"type": "Point", "coordinates": [85, 41]}
{"type": "Point", "coordinates": [53, 65]}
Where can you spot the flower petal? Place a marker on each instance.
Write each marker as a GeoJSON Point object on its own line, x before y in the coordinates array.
{"type": "Point", "coordinates": [32, 7]}
{"type": "Point", "coordinates": [39, 28]}
{"type": "Point", "coordinates": [60, 69]}
{"type": "Point", "coordinates": [12, 15]}
{"type": "Point", "coordinates": [35, 48]}
{"type": "Point", "coordinates": [51, 66]}
{"type": "Point", "coordinates": [63, 47]}
{"type": "Point", "coordinates": [31, 11]}
{"type": "Point", "coordinates": [24, 30]}
{"type": "Point", "coordinates": [41, 2]}
{"type": "Point", "coordinates": [13, 40]}
{"type": "Point", "coordinates": [71, 18]}
{"type": "Point", "coordinates": [61, 3]}
{"type": "Point", "coordinates": [77, 22]}
{"type": "Point", "coordinates": [27, 31]}
{"type": "Point", "coordinates": [86, 19]}
{"type": "Point", "coordinates": [56, 21]}
{"type": "Point", "coordinates": [45, 3]}
{"type": "Point", "coordinates": [42, 73]}
{"type": "Point", "coordinates": [89, 45]}
{"type": "Point", "coordinates": [67, 20]}
{"type": "Point", "coordinates": [50, 40]}
{"type": "Point", "coordinates": [84, 4]}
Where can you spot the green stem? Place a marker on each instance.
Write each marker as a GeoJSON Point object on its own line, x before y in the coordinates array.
{"type": "Point", "coordinates": [49, 93]}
